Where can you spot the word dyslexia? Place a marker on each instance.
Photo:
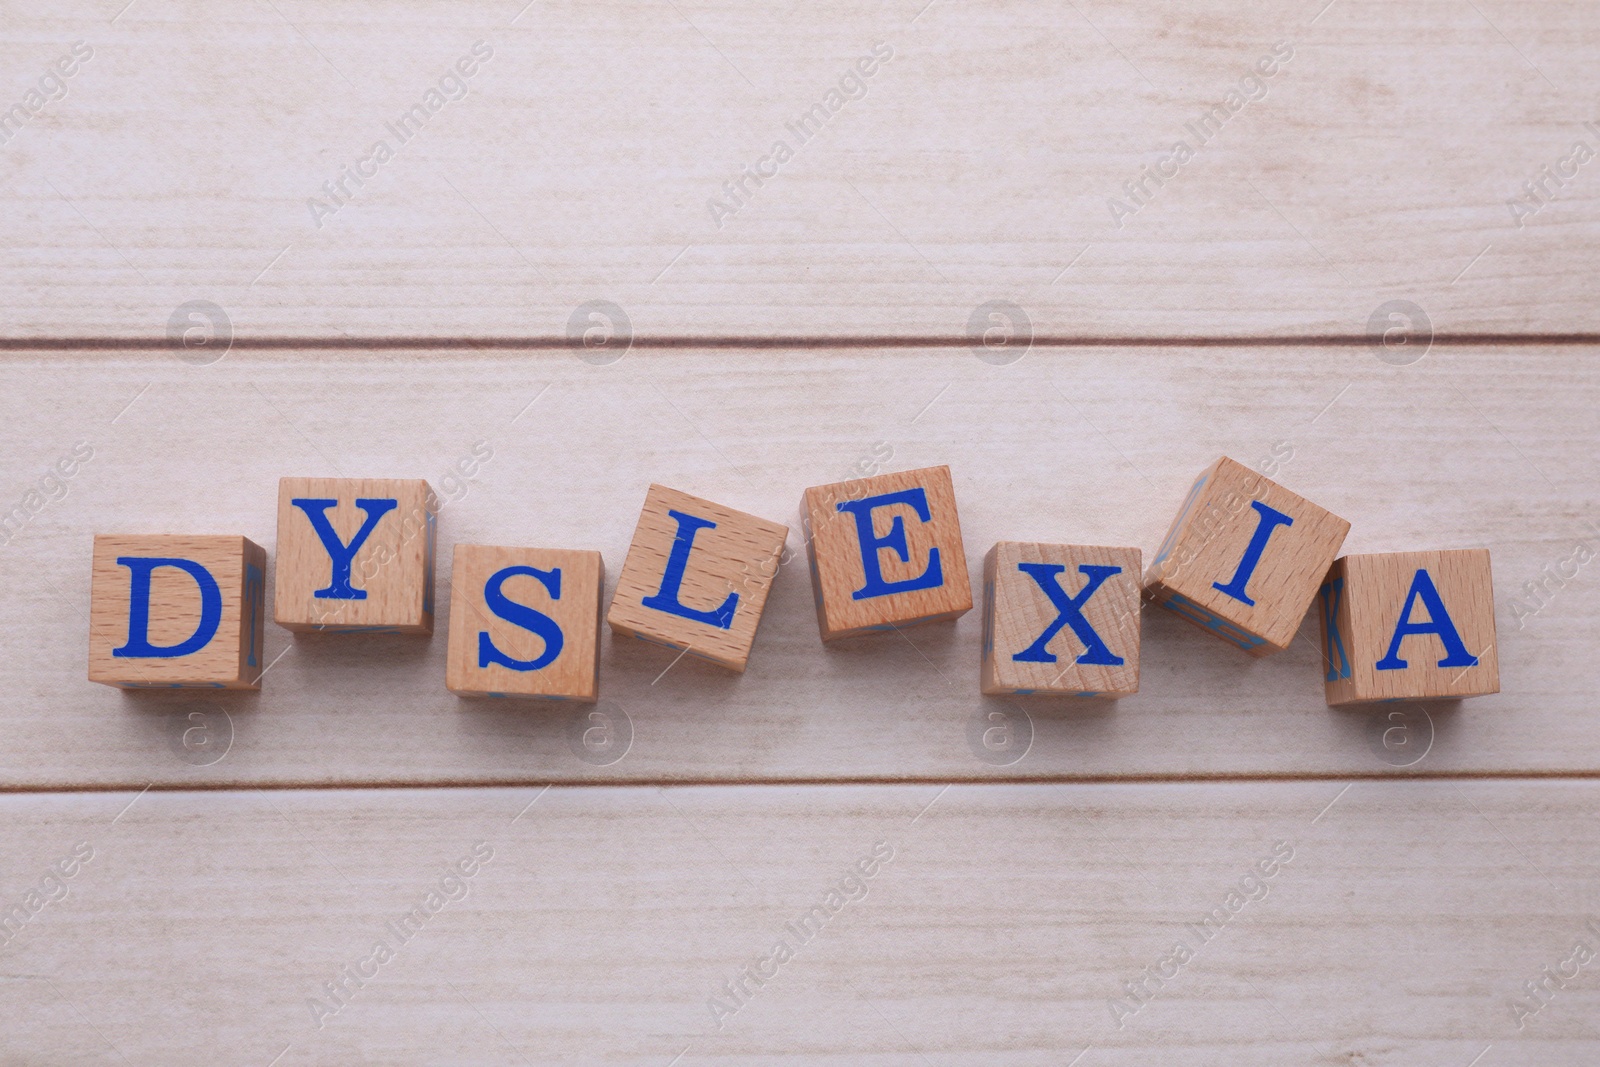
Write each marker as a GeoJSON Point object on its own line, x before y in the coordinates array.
{"type": "Point", "coordinates": [1245, 559]}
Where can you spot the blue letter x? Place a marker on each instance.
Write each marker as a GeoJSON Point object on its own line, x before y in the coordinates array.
{"type": "Point", "coordinates": [1070, 613]}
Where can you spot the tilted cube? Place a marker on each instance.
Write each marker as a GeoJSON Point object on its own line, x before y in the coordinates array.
{"type": "Point", "coordinates": [1244, 558]}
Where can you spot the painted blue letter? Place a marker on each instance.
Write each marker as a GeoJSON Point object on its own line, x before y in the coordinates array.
{"type": "Point", "coordinates": [1070, 613]}
{"type": "Point", "coordinates": [672, 580]}
{"type": "Point", "coordinates": [1456, 654]}
{"type": "Point", "coordinates": [1270, 519]}
{"type": "Point", "coordinates": [523, 616]}
{"type": "Point", "coordinates": [895, 540]}
{"type": "Point", "coordinates": [343, 555]}
{"type": "Point", "coordinates": [139, 608]}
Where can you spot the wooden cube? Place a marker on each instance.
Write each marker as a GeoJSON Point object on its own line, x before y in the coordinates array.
{"type": "Point", "coordinates": [886, 552]}
{"type": "Point", "coordinates": [177, 611]}
{"type": "Point", "coordinates": [1244, 558]}
{"type": "Point", "coordinates": [697, 577]}
{"type": "Point", "coordinates": [525, 622]}
{"type": "Point", "coordinates": [355, 555]}
{"type": "Point", "coordinates": [1060, 619]}
{"type": "Point", "coordinates": [1409, 626]}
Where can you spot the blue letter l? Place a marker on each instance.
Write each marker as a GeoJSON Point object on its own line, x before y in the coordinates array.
{"type": "Point", "coordinates": [672, 580]}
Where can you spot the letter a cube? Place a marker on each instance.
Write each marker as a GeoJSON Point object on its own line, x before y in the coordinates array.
{"type": "Point", "coordinates": [886, 552]}
{"type": "Point", "coordinates": [697, 576]}
{"type": "Point", "coordinates": [355, 555]}
{"type": "Point", "coordinates": [525, 622]}
{"type": "Point", "coordinates": [1244, 558]}
{"type": "Point", "coordinates": [1409, 626]}
{"type": "Point", "coordinates": [177, 611]}
{"type": "Point", "coordinates": [1061, 619]}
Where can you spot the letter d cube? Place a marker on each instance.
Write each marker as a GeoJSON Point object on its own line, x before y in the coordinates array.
{"type": "Point", "coordinates": [886, 552]}
{"type": "Point", "coordinates": [355, 555]}
{"type": "Point", "coordinates": [1409, 626]}
{"type": "Point", "coordinates": [176, 611]}
{"type": "Point", "coordinates": [1244, 557]}
{"type": "Point", "coordinates": [525, 622]}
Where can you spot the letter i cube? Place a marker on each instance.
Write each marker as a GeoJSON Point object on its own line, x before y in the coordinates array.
{"type": "Point", "coordinates": [1244, 558]}
{"type": "Point", "coordinates": [697, 576]}
{"type": "Point", "coordinates": [355, 555]}
{"type": "Point", "coordinates": [1409, 626]}
{"type": "Point", "coordinates": [177, 611]}
{"type": "Point", "coordinates": [886, 552]}
{"type": "Point", "coordinates": [525, 622]}
{"type": "Point", "coordinates": [1061, 619]}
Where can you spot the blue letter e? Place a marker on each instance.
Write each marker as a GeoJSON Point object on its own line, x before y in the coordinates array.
{"type": "Point", "coordinates": [672, 579]}
{"type": "Point", "coordinates": [523, 616]}
{"type": "Point", "coordinates": [139, 608]}
{"type": "Point", "coordinates": [895, 540]}
{"type": "Point", "coordinates": [341, 554]}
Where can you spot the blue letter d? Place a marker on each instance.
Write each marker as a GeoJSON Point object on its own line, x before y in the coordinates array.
{"type": "Point", "coordinates": [139, 645]}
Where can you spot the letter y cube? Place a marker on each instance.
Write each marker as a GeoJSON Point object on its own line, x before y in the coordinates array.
{"type": "Point", "coordinates": [355, 554]}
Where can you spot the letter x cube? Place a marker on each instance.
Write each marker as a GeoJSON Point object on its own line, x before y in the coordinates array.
{"type": "Point", "coordinates": [697, 576]}
{"type": "Point", "coordinates": [177, 611]}
{"type": "Point", "coordinates": [1061, 619]}
{"type": "Point", "coordinates": [355, 555]}
{"type": "Point", "coordinates": [886, 552]}
{"type": "Point", "coordinates": [1409, 626]}
{"type": "Point", "coordinates": [1244, 558]}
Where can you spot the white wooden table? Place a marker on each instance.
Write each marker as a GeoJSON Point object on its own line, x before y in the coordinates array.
{"type": "Point", "coordinates": [247, 852]}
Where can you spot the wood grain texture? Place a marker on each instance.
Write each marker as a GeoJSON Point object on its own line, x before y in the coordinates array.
{"type": "Point", "coordinates": [1244, 557]}
{"type": "Point", "coordinates": [1101, 587]}
{"type": "Point", "coordinates": [1384, 160]}
{"type": "Point", "coordinates": [1003, 928]}
{"type": "Point", "coordinates": [1369, 601]}
{"type": "Point", "coordinates": [879, 566]}
{"type": "Point", "coordinates": [728, 561]}
{"type": "Point", "coordinates": [1466, 448]}
{"type": "Point", "coordinates": [172, 608]}
{"type": "Point", "coordinates": [558, 660]}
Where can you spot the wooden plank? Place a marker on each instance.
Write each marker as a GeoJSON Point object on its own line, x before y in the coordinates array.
{"type": "Point", "coordinates": [1464, 448]}
{"type": "Point", "coordinates": [1383, 160]}
{"type": "Point", "coordinates": [1398, 924]}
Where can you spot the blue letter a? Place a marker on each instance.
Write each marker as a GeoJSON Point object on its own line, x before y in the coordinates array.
{"type": "Point", "coordinates": [672, 580]}
{"type": "Point", "coordinates": [341, 554]}
{"type": "Point", "coordinates": [139, 608]}
{"type": "Point", "coordinates": [523, 616]}
{"type": "Point", "coordinates": [1456, 654]}
{"type": "Point", "coordinates": [1070, 613]}
{"type": "Point", "coordinates": [1270, 519]}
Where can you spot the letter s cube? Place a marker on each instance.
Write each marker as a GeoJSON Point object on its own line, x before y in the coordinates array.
{"type": "Point", "coordinates": [1244, 557]}
{"type": "Point", "coordinates": [177, 611]}
{"type": "Point", "coordinates": [1409, 626]}
{"type": "Point", "coordinates": [355, 555]}
{"type": "Point", "coordinates": [697, 576]}
{"type": "Point", "coordinates": [525, 622]}
{"type": "Point", "coordinates": [886, 552]}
